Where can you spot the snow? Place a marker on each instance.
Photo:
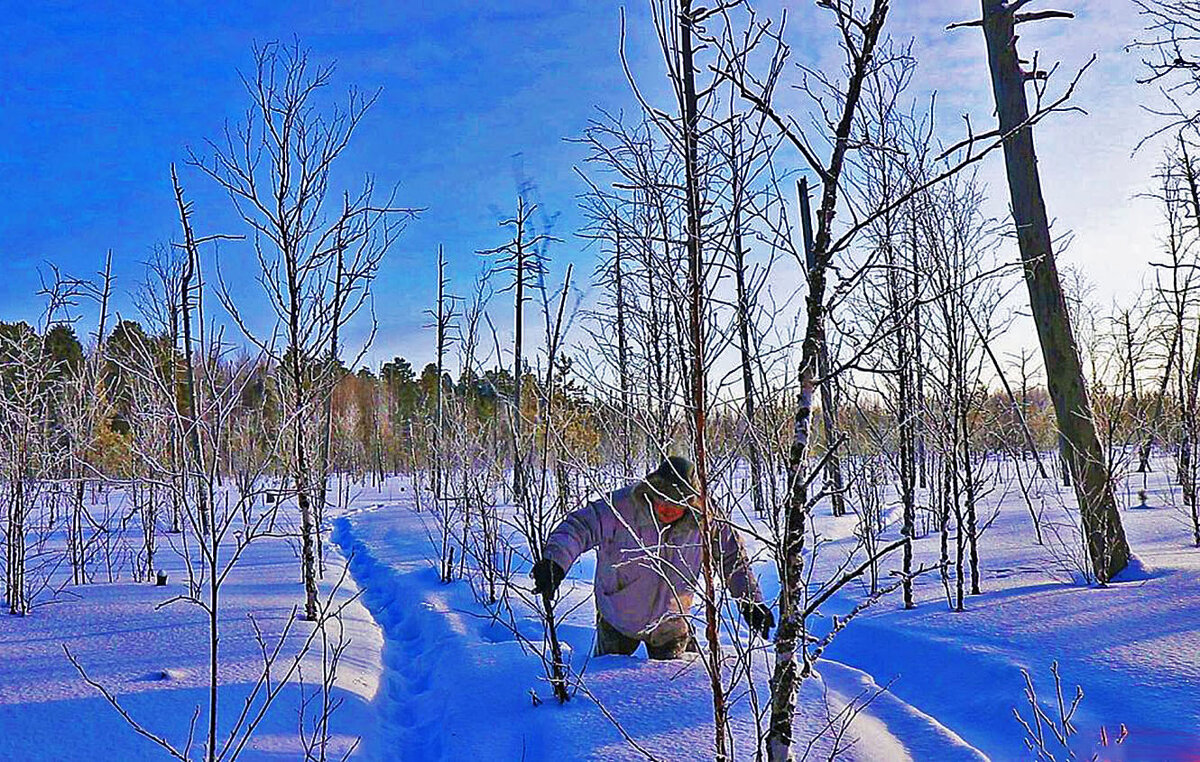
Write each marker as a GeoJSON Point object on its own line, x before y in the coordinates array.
{"type": "Point", "coordinates": [155, 658]}
{"type": "Point", "coordinates": [458, 685]}
{"type": "Point", "coordinates": [1133, 645]}
{"type": "Point", "coordinates": [430, 676]}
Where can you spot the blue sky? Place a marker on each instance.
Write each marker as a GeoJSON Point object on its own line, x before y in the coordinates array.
{"type": "Point", "coordinates": [99, 98]}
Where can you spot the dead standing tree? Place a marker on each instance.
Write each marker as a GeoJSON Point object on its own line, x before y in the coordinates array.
{"type": "Point", "coordinates": [1107, 547]}
{"type": "Point", "coordinates": [316, 266]}
{"type": "Point", "coordinates": [444, 321]}
{"type": "Point", "coordinates": [85, 407]}
{"type": "Point", "coordinates": [524, 257]}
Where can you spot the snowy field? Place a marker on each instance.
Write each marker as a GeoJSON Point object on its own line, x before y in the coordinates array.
{"type": "Point", "coordinates": [429, 676]}
{"type": "Point", "coordinates": [154, 657]}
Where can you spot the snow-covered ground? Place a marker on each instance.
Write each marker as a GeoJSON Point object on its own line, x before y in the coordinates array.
{"type": "Point", "coordinates": [429, 676]}
{"type": "Point", "coordinates": [457, 685]}
{"type": "Point", "coordinates": [155, 659]}
{"type": "Point", "coordinates": [953, 678]}
{"type": "Point", "coordinates": [1133, 645]}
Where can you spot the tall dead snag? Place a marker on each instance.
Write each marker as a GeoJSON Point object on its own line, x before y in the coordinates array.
{"type": "Point", "coordinates": [1104, 535]}
{"type": "Point", "coordinates": [444, 317]}
{"type": "Point", "coordinates": [523, 256]}
{"type": "Point", "coordinates": [84, 407]}
{"type": "Point", "coordinates": [188, 297]}
{"type": "Point", "coordinates": [439, 417]}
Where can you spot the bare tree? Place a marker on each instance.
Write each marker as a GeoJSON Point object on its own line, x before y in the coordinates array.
{"type": "Point", "coordinates": [316, 264]}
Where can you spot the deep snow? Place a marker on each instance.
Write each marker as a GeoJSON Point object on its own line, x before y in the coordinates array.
{"type": "Point", "coordinates": [457, 685]}
{"type": "Point", "coordinates": [156, 660]}
{"type": "Point", "coordinates": [429, 676]}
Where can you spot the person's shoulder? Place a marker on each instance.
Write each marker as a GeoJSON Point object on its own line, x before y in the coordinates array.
{"type": "Point", "coordinates": [622, 496]}
{"type": "Point", "coordinates": [624, 500]}
{"type": "Point", "coordinates": [620, 500]}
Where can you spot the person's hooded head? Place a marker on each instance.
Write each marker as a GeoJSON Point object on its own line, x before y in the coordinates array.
{"type": "Point", "coordinates": [672, 489]}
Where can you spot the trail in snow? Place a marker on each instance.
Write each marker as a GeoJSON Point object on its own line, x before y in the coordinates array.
{"type": "Point", "coordinates": [457, 687]}
{"type": "Point", "coordinates": [412, 712]}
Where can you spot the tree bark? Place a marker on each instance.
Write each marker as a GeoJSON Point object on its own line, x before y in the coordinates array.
{"type": "Point", "coordinates": [1107, 547]}
{"type": "Point", "coordinates": [622, 354]}
{"type": "Point", "coordinates": [327, 406]}
{"type": "Point", "coordinates": [791, 655]}
{"type": "Point", "coordinates": [744, 320]}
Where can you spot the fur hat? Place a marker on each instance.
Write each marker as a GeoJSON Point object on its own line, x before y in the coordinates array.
{"type": "Point", "coordinates": [674, 480]}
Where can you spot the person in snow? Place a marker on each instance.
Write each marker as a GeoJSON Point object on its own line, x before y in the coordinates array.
{"type": "Point", "coordinates": [647, 540]}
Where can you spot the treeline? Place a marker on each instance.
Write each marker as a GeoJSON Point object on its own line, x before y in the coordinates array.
{"type": "Point", "coordinates": [382, 419]}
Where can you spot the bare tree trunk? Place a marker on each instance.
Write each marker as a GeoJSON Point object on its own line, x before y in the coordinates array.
{"type": "Point", "coordinates": [1187, 444]}
{"type": "Point", "coordinates": [440, 500]}
{"type": "Point", "coordinates": [945, 488]}
{"type": "Point", "coordinates": [327, 404]}
{"type": "Point", "coordinates": [969, 495]}
{"type": "Point", "coordinates": [558, 672]}
{"type": "Point", "coordinates": [1105, 537]}
{"type": "Point", "coordinates": [519, 265]}
{"type": "Point", "coordinates": [791, 655]}
{"type": "Point", "coordinates": [906, 412]}
{"type": "Point", "coordinates": [78, 573]}
{"type": "Point", "coordinates": [300, 466]}
{"type": "Point", "coordinates": [149, 521]}
{"type": "Point", "coordinates": [1187, 453]}
{"type": "Point", "coordinates": [185, 307]}
{"type": "Point", "coordinates": [918, 368]}
{"type": "Point", "coordinates": [661, 406]}
{"type": "Point", "coordinates": [622, 354]}
{"type": "Point", "coordinates": [829, 412]}
{"type": "Point", "coordinates": [745, 322]}
{"type": "Point", "coordinates": [17, 605]}
{"type": "Point", "coordinates": [697, 376]}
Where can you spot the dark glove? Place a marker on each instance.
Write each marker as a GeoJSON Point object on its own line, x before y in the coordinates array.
{"type": "Point", "coordinates": [758, 616]}
{"type": "Point", "coordinates": [546, 576]}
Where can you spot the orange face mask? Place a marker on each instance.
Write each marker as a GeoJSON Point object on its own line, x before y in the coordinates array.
{"type": "Point", "coordinates": [668, 513]}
